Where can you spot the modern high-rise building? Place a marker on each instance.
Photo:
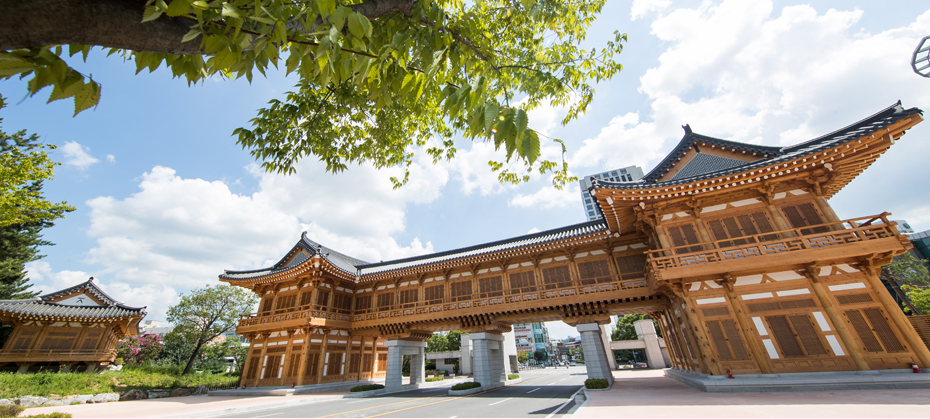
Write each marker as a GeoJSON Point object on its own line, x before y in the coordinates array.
{"type": "Point", "coordinates": [532, 337]}
{"type": "Point", "coordinates": [626, 174]}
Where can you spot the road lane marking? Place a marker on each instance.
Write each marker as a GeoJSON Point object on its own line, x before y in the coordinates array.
{"type": "Point", "coordinates": [441, 401]}
{"type": "Point", "coordinates": [537, 388]}
{"type": "Point", "coordinates": [570, 399]}
{"type": "Point", "coordinates": [492, 404]}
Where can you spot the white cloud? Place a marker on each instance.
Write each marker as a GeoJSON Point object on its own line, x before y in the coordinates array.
{"type": "Point", "coordinates": [45, 280]}
{"type": "Point", "coordinates": [77, 155]}
{"type": "Point", "coordinates": [549, 197]}
{"type": "Point", "coordinates": [176, 233]}
{"type": "Point", "coordinates": [641, 7]}
{"type": "Point", "coordinates": [111, 158]}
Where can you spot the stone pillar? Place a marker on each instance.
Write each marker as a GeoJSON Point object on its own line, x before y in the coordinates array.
{"type": "Point", "coordinates": [605, 340]}
{"type": "Point", "coordinates": [594, 356]}
{"type": "Point", "coordinates": [488, 359]}
{"type": "Point", "coordinates": [466, 362]}
{"type": "Point", "coordinates": [91, 368]}
{"type": "Point", "coordinates": [510, 353]}
{"type": "Point", "coordinates": [393, 377]}
{"type": "Point", "coordinates": [646, 332]}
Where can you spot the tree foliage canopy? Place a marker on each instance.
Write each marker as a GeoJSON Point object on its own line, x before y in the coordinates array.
{"type": "Point", "coordinates": [445, 342]}
{"type": "Point", "coordinates": [206, 313]}
{"type": "Point", "coordinates": [23, 166]}
{"type": "Point", "coordinates": [919, 297]}
{"type": "Point", "coordinates": [905, 269]}
{"type": "Point", "coordinates": [377, 78]}
{"type": "Point", "coordinates": [624, 329]}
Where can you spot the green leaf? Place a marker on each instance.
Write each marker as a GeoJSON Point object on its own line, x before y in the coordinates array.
{"type": "Point", "coordinates": [520, 120]}
{"type": "Point", "coordinates": [531, 147]}
{"type": "Point", "coordinates": [338, 18]}
{"type": "Point", "coordinates": [264, 20]}
{"type": "Point", "coordinates": [151, 13]}
{"type": "Point", "coordinates": [69, 87]}
{"type": "Point", "coordinates": [326, 7]}
{"type": "Point", "coordinates": [11, 64]}
{"type": "Point", "coordinates": [355, 25]}
{"type": "Point", "coordinates": [490, 116]}
{"type": "Point", "coordinates": [87, 97]}
{"type": "Point", "coordinates": [230, 10]}
{"type": "Point", "coordinates": [190, 35]}
{"type": "Point", "coordinates": [178, 8]}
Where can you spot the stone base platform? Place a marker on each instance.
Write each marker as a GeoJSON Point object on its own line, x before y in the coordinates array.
{"type": "Point", "coordinates": [841, 380]}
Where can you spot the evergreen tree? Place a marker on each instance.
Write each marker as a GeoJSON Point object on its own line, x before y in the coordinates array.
{"type": "Point", "coordinates": [19, 242]}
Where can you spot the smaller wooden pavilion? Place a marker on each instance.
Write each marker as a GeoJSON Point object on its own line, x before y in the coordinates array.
{"type": "Point", "coordinates": [74, 327]}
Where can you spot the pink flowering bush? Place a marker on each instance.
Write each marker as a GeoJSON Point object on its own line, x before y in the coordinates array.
{"type": "Point", "coordinates": [139, 349]}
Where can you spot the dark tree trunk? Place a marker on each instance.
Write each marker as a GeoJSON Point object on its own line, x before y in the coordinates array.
{"type": "Point", "coordinates": [117, 24]}
{"type": "Point", "coordinates": [190, 362]}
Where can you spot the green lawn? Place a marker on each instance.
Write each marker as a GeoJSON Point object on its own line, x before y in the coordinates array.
{"type": "Point", "coordinates": [140, 377]}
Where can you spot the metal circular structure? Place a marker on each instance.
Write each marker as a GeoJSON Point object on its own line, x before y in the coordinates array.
{"type": "Point", "coordinates": [920, 62]}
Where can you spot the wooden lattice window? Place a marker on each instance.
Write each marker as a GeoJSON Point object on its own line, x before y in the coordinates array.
{"type": "Point", "coordinates": [285, 301]}
{"type": "Point", "coordinates": [313, 363]}
{"type": "Point", "coordinates": [522, 282]}
{"type": "Point", "coordinates": [726, 340]}
{"type": "Point", "coordinates": [91, 340]}
{"type": "Point", "coordinates": [804, 215]}
{"type": "Point", "coordinates": [854, 298]}
{"type": "Point", "coordinates": [632, 266]}
{"type": "Point", "coordinates": [490, 287]}
{"type": "Point", "coordinates": [876, 325]}
{"type": "Point", "coordinates": [335, 359]}
{"type": "Point", "coordinates": [683, 235]}
{"type": "Point", "coordinates": [305, 297]}
{"type": "Point", "coordinates": [594, 272]}
{"type": "Point", "coordinates": [59, 338]}
{"type": "Point", "coordinates": [322, 298]}
{"type": "Point", "coordinates": [354, 361]}
{"type": "Point", "coordinates": [385, 300]}
{"type": "Point", "coordinates": [363, 302]}
{"type": "Point", "coordinates": [741, 226]}
{"type": "Point", "coordinates": [267, 304]}
{"type": "Point", "coordinates": [272, 364]}
{"type": "Point", "coordinates": [366, 362]}
{"type": "Point", "coordinates": [293, 364]}
{"type": "Point", "coordinates": [253, 367]}
{"type": "Point", "coordinates": [435, 293]}
{"type": "Point", "coordinates": [461, 290]}
{"type": "Point", "coordinates": [382, 360]}
{"type": "Point", "coordinates": [557, 277]}
{"type": "Point", "coordinates": [409, 297]}
{"type": "Point", "coordinates": [342, 301]}
{"type": "Point", "coordinates": [796, 335]}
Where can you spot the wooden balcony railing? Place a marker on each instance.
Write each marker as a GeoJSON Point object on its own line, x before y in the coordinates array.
{"type": "Point", "coordinates": [53, 355]}
{"type": "Point", "coordinates": [518, 295]}
{"type": "Point", "coordinates": [777, 242]}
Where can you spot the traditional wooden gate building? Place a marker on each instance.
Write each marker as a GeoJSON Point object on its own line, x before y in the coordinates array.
{"type": "Point", "coordinates": [732, 247]}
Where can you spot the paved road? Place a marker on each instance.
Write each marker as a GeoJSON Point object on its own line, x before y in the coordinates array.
{"type": "Point", "coordinates": [542, 394]}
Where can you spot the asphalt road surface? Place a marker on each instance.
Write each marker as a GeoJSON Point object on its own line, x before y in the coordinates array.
{"type": "Point", "coordinates": [545, 393]}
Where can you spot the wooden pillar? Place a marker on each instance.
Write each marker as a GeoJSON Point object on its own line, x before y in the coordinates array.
{"type": "Point", "coordinates": [663, 237]}
{"type": "Point", "coordinates": [315, 293]}
{"type": "Point", "coordinates": [838, 320]}
{"type": "Point", "coordinates": [897, 316]}
{"type": "Point", "coordinates": [688, 343]}
{"type": "Point", "coordinates": [321, 362]}
{"type": "Point", "coordinates": [37, 343]}
{"type": "Point", "coordinates": [684, 361]}
{"type": "Point", "coordinates": [669, 344]}
{"type": "Point", "coordinates": [374, 357]}
{"type": "Point", "coordinates": [699, 334]}
{"type": "Point", "coordinates": [261, 358]}
{"type": "Point", "coordinates": [759, 355]}
{"type": "Point", "coordinates": [697, 319]}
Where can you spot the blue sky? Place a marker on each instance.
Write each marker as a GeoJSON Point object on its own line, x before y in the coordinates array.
{"type": "Point", "coordinates": [166, 200]}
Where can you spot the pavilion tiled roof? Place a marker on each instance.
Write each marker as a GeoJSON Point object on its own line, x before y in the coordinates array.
{"type": "Point", "coordinates": [771, 155]}
{"type": "Point", "coordinates": [39, 306]}
{"type": "Point", "coordinates": [360, 268]}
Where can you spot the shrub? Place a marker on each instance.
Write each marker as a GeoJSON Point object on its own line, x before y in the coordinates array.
{"type": "Point", "coordinates": [51, 415]}
{"type": "Point", "coordinates": [366, 387]}
{"type": "Point", "coordinates": [596, 383]}
{"type": "Point", "coordinates": [435, 379]}
{"type": "Point", "coordinates": [11, 410]}
{"type": "Point", "coordinates": [466, 386]}
{"type": "Point", "coordinates": [437, 372]}
{"type": "Point", "coordinates": [513, 376]}
{"type": "Point", "coordinates": [138, 349]}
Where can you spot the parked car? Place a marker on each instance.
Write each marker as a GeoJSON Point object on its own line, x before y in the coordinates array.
{"type": "Point", "coordinates": [642, 365]}
{"type": "Point", "coordinates": [573, 364]}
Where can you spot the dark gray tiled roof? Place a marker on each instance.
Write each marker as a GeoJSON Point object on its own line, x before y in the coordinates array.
{"type": "Point", "coordinates": [359, 268]}
{"type": "Point", "coordinates": [513, 243]}
{"type": "Point", "coordinates": [706, 163]}
{"type": "Point", "coordinates": [345, 263]}
{"type": "Point", "coordinates": [37, 307]}
{"type": "Point", "coordinates": [874, 123]}
{"type": "Point", "coordinates": [40, 306]}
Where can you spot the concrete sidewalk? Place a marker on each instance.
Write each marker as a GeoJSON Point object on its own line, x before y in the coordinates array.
{"type": "Point", "coordinates": [649, 394]}
{"type": "Point", "coordinates": [192, 406]}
